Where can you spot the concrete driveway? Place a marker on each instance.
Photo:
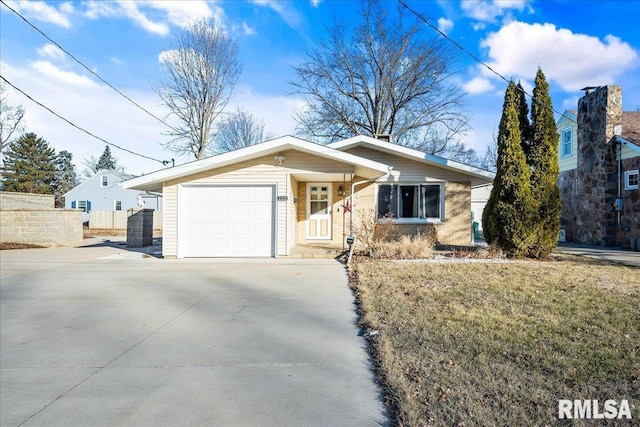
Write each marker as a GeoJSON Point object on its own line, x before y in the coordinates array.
{"type": "Point", "coordinates": [91, 337]}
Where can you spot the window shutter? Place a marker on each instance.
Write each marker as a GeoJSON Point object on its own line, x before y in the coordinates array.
{"type": "Point", "coordinates": [73, 204]}
{"type": "Point", "coordinates": [88, 206]}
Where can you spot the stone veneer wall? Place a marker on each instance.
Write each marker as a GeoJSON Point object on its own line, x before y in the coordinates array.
{"type": "Point", "coordinates": [32, 219]}
{"type": "Point", "coordinates": [595, 219]}
{"type": "Point", "coordinates": [631, 214]}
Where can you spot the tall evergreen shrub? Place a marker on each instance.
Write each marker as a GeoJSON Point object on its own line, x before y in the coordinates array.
{"type": "Point", "coordinates": [544, 170]}
{"type": "Point", "coordinates": [506, 219]}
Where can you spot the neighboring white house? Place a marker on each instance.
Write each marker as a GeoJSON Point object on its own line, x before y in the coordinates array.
{"type": "Point", "coordinates": [104, 192]}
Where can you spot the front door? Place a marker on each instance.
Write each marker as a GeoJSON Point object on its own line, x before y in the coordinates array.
{"type": "Point", "coordinates": [319, 211]}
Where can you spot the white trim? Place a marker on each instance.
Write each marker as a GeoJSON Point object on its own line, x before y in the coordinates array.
{"type": "Point", "coordinates": [154, 180]}
{"type": "Point", "coordinates": [627, 176]}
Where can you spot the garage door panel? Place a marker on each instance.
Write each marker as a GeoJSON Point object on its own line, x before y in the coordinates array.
{"type": "Point", "coordinates": [227, 221]}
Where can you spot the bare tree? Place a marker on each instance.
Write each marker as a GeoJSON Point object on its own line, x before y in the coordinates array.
{"type": "Point", "coordinates": [384, 76]}
{"type": "Point", "coordinates": [11, 124]}
{"type": "Point", "coordinates": [200, 72]}
{"type": "Point", "coordinates": [240, 129]}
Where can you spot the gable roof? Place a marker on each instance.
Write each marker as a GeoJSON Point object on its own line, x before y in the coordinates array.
{"type": "Point", "coordinates": [120, 176]}
{"type": "Point", "coordinates": [478, 176]}
{"type": "Point", "coordinates": [153, 181]}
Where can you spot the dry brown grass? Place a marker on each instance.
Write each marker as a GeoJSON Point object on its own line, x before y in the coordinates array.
{"type": "Point", "coordinates": [498, 343]}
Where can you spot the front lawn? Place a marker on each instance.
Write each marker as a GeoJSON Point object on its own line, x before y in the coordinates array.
{"type": "Point", "coordinates": [499, 343]}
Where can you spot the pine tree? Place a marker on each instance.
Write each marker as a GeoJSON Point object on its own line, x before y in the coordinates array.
{"type": "Point", "coordinates": [544, 170]}
{"type": "Point", "coordinates": [106, 161]}
{"type": "Point", "coordinates": [65, 178]}
{"type": "Point", "coordinates": [506, 217]}
{"type": "Point", "coordinates": [29, 165]}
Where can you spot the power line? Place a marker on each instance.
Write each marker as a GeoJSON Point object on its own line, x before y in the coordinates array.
{"type": "Point", "coordinates": [87, 68]}
{"type": "Point", "coordinates": [475, 58]}
{"type": "Point", "coordinates": [76, 126]}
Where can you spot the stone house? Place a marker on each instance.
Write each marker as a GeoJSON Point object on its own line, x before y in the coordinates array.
{"type": "Point", "coordinates": [599, 157]}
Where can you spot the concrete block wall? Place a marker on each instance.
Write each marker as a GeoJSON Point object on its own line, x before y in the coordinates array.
{"type": "Point", "coordinates": [139, 228]}
{"type": "Point", "coordinates": [13, 201]}
{"type": "Point", "coordinates": [59, 227]}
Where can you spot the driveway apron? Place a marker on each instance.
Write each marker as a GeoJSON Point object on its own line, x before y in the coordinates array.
{"type": "Point", "coordinates": [91, 338]}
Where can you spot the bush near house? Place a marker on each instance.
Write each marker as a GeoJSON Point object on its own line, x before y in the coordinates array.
{"type": "Point", "coordinates": [499, 343]}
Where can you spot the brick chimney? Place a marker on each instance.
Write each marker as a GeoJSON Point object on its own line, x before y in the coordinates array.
{"type": "Point", "coordinates": [599, 111]}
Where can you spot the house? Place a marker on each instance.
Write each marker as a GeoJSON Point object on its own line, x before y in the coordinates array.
{"type": "Point", "coordinates": [599, 159]}
{"type": "Point", "coordinates": [264, 199]}
{"type": "Point", "coordinates": [104, 192]}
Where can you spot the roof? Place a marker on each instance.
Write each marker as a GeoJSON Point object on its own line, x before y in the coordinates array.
{"type": "Point", "coordinates": [121, 176]}
{"type": "Point", "coordinates": [631, 126]}
{"type": "Point", "coordinates": [478, 176]}
{"type": "Point", "coordinates": [155, 180]}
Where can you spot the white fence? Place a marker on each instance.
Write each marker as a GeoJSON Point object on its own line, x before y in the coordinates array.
{"type": "Point", "coordinates": [118, 220]}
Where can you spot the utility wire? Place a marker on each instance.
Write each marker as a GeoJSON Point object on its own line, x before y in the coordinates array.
{"type": "Point", "coordinates": [475, 58]}
{"type": "Point", "coordinates": [87, 68]}
{"type": "Point", "coordinates": [76, 126]}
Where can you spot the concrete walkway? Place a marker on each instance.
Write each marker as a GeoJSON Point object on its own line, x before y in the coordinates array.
{"type": "Point", "coordinates": [102, 336]}
{"type": "Point", "coordinates": [617, 255]}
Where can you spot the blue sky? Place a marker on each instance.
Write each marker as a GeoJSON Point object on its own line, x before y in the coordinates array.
{"type": "Point", "coordinates": [576, 43]}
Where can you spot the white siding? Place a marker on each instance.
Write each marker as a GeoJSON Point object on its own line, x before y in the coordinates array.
{"type": "Point", "coordinates": [409, 170]}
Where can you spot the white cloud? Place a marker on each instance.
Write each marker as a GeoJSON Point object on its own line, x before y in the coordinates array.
{"type": "Point", "coordinates": [247, 30]}
{"type": "Point", "coordinates": [70, 78]}
{"type": "Point", "coordinates": [445, 25]}
{"type": "Point", "coordinates": [315, 3]}
{"type": "Point", "coordinates": [489, 10]}
{"type": "Point", "coordinates": [571, 60]}
{"type": "Point", "coordinates": [50, 51]}
{"type": "Point", "coordinates": [41, 11]}
{"type": "Point", "coordinates": [478, 85]}
{"type": "Point", "coordinates": [286, 12]}
{"type": "Point", "coordinates": [183, 14]}
{"type": "Point", "coordinates": [132, 12]}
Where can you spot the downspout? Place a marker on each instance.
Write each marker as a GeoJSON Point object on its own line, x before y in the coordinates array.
{"type": "Point", "coordinates": [619, 204]}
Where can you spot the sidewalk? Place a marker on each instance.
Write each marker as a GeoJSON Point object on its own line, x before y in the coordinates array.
{"type": "Point", "coordinates": [613, 254]}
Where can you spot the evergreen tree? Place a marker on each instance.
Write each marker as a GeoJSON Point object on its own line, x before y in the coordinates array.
{"type": "Point", "coordinates": [544, 170]}
{"type": "Point", "coordinates": [507, 215]}
{"type": "Point", "coordinates": [526, 131]}
{"type": "Point", "coordinates": [65, 178]}
{"type": "Point", "coordinates": [29, 165]}
{"type": "Point", "coordinates": [106, 161]}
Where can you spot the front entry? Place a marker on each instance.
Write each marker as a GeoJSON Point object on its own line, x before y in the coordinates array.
{"type": "Point", "coordinates": [319, 211]}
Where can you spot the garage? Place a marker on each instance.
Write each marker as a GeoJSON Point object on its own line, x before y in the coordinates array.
{"type": "Point", "coordinates": [226, 221]}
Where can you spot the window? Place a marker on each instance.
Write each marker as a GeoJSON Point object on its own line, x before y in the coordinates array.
{"type": "Point", "coordinates": [118, 205]}
{"type": "Point", "coordinates": [565, 143]}
{"type": "Point", "coordinates": [82, 204]}
{"type": "Point", "coordinates": [631, 180]}
{"type": "Point", "coordinates": [410, 201]}
{"type": "Point", "coordinates": [105, 181]}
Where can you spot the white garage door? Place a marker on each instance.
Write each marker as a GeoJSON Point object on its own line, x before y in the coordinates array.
{"type": "Point", "coordinates": [234, 221]}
